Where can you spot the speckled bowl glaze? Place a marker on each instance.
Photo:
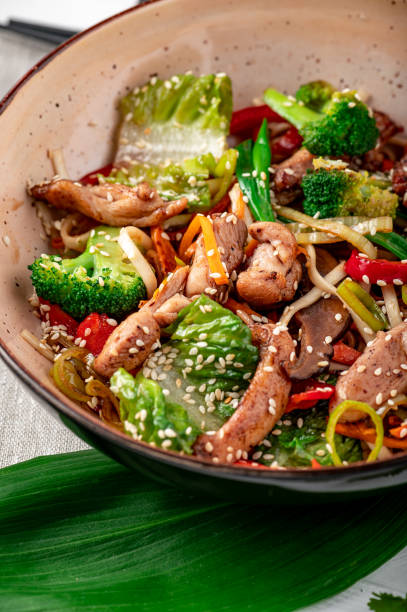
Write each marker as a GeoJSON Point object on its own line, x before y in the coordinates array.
{"type": "Point", "coordinates": [69, 100]}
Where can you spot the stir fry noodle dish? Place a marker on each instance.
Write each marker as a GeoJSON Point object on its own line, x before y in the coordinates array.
{"type": "Point", "coordinates": [233, 285]}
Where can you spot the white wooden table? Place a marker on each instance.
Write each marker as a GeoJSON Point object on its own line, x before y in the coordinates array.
{"type": "Point", "coordinates": [26, 429]}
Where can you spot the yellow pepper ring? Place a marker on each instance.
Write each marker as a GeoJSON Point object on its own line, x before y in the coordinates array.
{"type": "Point", "coordinates": [336, 415]}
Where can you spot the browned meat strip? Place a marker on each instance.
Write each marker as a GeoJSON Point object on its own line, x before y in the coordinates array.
{"type": "Point", "coordinates": [320, 327]}
{"type": "Point", "coordinates": [168, 312]}
{"type": "Point", "coordinates": [175, 284]}
{"type": "Point", "coordinates": [230, 233]}
{"type": "Point", "coordinates": [273, 271]}
{"type": "Point", "coordinates": [261, 406]}
{"type": "Point", "coordinates": [399, 178]}
{"type": "Point", "coordinates": [129, 344]}
{"type": "Point", "coordinates": [379, 374]}
{"type": "Point", "coordinates": [386, 126]}
{"type": "Point", "coordinates": [289, 174]}
{"type": "Point", "coordinates": [110, 203]}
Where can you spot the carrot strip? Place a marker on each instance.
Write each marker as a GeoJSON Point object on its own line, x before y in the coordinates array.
{"type": "Point", "coordinates": [368, 434]}
{"type": "Point", "coordinates": [217, 271]}
{"type": "Point", "coordinates": [399, 432]}
{"type": "Point", "coordinates": [193, 228]}
{"type": "Point", "coordinates": [250, 248]}
{"type": "Point", "coordinates": [164, 249]}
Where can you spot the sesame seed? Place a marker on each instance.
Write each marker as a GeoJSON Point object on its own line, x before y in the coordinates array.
{"type": "Point", "coordinates": [300, 423]}
{"type": "Point", "coordinates": [111, 322]}
{"type": "Point", "coordinates": [101, 281]}
{"type": "Point", "coordinates": [320, 452]}
{"type": "Point", "coordinates": [276, 432]}
{"type": "Point", "coordinates": [82, 343]}
{"type": "Point", "coordinates": [397, 281]}
{"type": "Point", "coordinates": [328, 339]}
{"type": "Point", "coordinates": [322, 364]}
{"type": "Point", "coordinates": [379, 399]}
{"type": "Point", "coordinates": [366, 279]}
{"type": "Point", "coordinates": [208, 447]}
{"type": "Point", "coordinates": [387, 337]}
{"type": "Point", "coordinates": [381, 283]}
{"type": "Point", "coordinates": [393, 392]}
{"type": "Point", "coordinates": [139, 342]}
{"type": "Point", "coordinates": [309, 349]}
{"type": "Point", "coordinates": [377, 371]}
{"type": "Point", "coordinates": [268, 368]}
{"type": "Point", "coordinates": [403, 366]}
{"type": "Point", "coordinates": [338, 316]}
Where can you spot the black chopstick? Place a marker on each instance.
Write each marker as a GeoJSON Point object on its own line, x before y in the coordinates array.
{"type": "Point", "coordinates": [45, 33]}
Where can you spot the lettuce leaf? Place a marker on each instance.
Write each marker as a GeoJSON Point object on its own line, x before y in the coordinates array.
{"type": "Point", "coordinates": [301, 441]}
{"type": "Point", "coordinates": [147, 415]}
{"type": "Point", "coordinates": [176, 119]}
{"type": "Point", "coordinates": [190, 179]}
{"type": "Point", "coordinates": [206, 364]}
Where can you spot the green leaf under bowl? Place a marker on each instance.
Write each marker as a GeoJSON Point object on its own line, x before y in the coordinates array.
{"type": "Point", "coordinates": [81, 532]}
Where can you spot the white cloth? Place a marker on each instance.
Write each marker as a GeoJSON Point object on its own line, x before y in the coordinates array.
{"type": "Point", "coordinates": [27, 430]}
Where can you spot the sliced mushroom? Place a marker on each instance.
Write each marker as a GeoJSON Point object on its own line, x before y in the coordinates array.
{"type": "Point", "coordinates": [321, 324]}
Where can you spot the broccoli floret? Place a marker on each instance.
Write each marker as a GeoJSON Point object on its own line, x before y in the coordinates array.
{"type": "Point", "coordinates": [337, 193]}
{"type": "Point", "coordinates": [98, 280]}
{"type": "Point", "coordinates": [346, 127]}
{"type": "Point", "coordinates": [315, 95]}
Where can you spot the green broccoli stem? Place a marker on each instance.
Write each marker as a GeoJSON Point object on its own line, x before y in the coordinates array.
{"type": "Point", "coordinates": [291, 111]}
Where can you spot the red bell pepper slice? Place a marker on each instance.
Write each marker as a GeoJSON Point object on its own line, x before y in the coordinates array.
{"type": "Point", "coordinates": [307, 399]}
{"type": "Point", "coordinates": [387, 165]}
{"type": "Point", "coordinates": [95, 329]}
{"type": "Point", "coordinates": [315, 464]}
{"type": "Point", "coordinates": [56, 316]}
{"type": "Point", "coordinates": [248, 118]}
{"type": "Point", "coordinates": [286, 144]}
{"type": "Point", "coordinates": [345, 354]}
{"type": "Point", "coordinates": [92, 177]}
{"type": "Point", "coordinates": [371, 270]}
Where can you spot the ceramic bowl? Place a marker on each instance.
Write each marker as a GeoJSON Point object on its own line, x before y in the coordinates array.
{"type": "Point", "coordinates": [69, 100]}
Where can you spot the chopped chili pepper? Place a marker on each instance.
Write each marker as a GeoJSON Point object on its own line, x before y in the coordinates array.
{"type": "Point", "coordinates": [387, 165]}
{"type": "Point", "coordinates": [164, 249]}
{"type": "Point", "coordinates": [100, 329]}
{"type": "Point", "coordinates": [92, 177]}
{"type": "Point", "coordinates": [372, 270]}
{"type": "Point", "coordinates": [308, 398]}
{"type": "Point", "coordinates": [248, 118]}
{"type": "Point", "coordinates": [56, 316]}
{"type": "Point", "coordinates": [285, 145]}
{"type": "Point", "coordinates": [345, 354]}
{"type": "Point", "coordinates": [315, 464]}
{"type": "Point", "coordinates": [363, 304]}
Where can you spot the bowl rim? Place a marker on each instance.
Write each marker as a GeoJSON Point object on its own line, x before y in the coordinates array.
{"type": "Point", "coordinates": [264, 477]}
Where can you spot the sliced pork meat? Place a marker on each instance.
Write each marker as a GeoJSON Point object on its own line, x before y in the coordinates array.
{"type": "Point", "coordinates": [273, 271]}
{"type": "Point", "coordinates": [386, 126]}
{"type": "Point", "coordinates": [230, 234]}
{"type": "Point", "coordinates": [129, 344]}
{"type": "Point", "coordinates": [261, 406]}
{"type": "Point", "coordinates": [399, 178]}
{"type": "Point", "coordinates": [110, 203]}
{"type": "Point", "coordinates": [378, 375]}
{"type": "Point", "coordinates": [168, 312]}
{"type": "Point", "coordinates": [289, 174]}
{"type": "Point", "coordinates": [321, 324]}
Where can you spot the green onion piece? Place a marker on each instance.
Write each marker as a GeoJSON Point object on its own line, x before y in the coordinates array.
{"type": "Point", "coordinates": [393, 242]}
{"type": "Point", "coordinates": [261, 161]}
{"type": "Point", "coordinates": [334, 418]}
{"type": "Point", "coordinates": [258, 205]}
{"type": "Point", "coordinates": [404, 293]}
{"type": "Point", "coordinates": [363, 304]}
